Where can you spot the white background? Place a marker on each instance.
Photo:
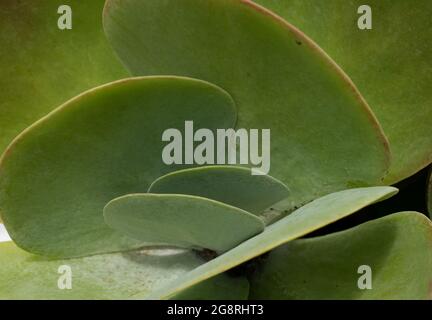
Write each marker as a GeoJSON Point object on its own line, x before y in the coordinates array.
{"type": "Point", "coordinates": [3, 234]}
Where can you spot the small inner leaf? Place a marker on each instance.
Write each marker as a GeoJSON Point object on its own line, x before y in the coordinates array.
{"type": "Point", "coordinates": [324, 137]}
{"type": "Point", "coordinates": [57, 176]}
{"type": "Point", "coordinates": [311, 217]}
{"type": "Point", "coordinates": [391, 256]}
{"type": "Point", "coordinates": [181, 220]}
{"type": "Point", "coordinates": [232, 185]}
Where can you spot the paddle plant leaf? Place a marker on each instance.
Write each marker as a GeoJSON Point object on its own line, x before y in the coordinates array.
{"type": "Point", "coordinates": [107, 276]}
{"type": "Point", "coordinates": [391, 65]}
{"type": "Point", "coordinates": [232, 185]}
{"type": "Point", "coordinates": [42, 66]}
{"type": "Point", "coordinates": [324, 137]}
{"type": "Point", "coordinates": [395, 250]}
{"type": "Point", "coordinates": [181, 220]}
{"type": "Point", "coordinates": [58, 175]}
{"type": "Point", "coordinates": [310, 217]}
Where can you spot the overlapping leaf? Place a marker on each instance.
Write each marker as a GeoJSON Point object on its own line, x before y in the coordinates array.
{"type": "Point", "coordinates": [56, 177]}
{"type": "Point", "coordinates": [323, 136]}
{"type": "Point", "coordinates": [43, 66]}
{"type": "Point", "coordinates": [391, 65]}
{"type": "Point", "coordinates": [182, 220]}
{"type": "Point", "coordinates": [107, 276]}
{"type": "Point", "coordinates": [395, 251]}
{"type": "Point", "coordinates": [304, 220]}
{"type": "Point", "coordinates": [232, 185]}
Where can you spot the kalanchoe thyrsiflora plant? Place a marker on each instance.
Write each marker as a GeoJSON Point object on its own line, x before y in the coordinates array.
{"type": "Point", "coordinates": [85, 187]}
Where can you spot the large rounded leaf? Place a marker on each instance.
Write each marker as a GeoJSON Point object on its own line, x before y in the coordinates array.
{"type": "Point", "coordinates": [108, 276]}
{"type": "Point", "coordinates": [323, 136]}
{"type": "Point", "coordinates": [232, 185]}
{"type": "Point", "coordinates": [42, 66]}
{"type": "Point", "coordinates": [56, 177]}
{"type": "Point", "coordinates": [311, 217]}
{"type": "Point", "coordinates": [181, 220]}
{"type": "Point", "coordinates": [391, 65]}
{"type": "Point", "coordinates": [393, 253]}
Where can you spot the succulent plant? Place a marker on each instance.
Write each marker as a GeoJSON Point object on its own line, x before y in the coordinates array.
{"type": "Point", "coordinates": [83, 185]}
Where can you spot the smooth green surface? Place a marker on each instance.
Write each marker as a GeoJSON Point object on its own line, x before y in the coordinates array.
{"type": "Point", "coordinates": [324, 138]}
{"type": "Point", "coordinates": [397, 248]}
{"type": "Point", "coordinates": [42, 66]}
{"type": "Point", "coordinates": [391, 65]}
{"type": "Point", "coordinates": [56, 178]}
{"type": "Point", "coordinates": [309, 218]}
{"type": "Point", "coordinates": [181, 220]}
{"type": "Point", "coordinates": [232, 185]}
{"type": "Point", "coordinates": [107, 276]}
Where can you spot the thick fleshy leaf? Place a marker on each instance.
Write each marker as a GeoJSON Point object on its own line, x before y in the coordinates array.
{"type": "Point", "coordinates": [396, 251]}
{"type": "Point", "coordinates": [309, 218]}
{"type": "Point", "coordinates": [232, 185]}
{"type": "Point", "coordinates": [42, 66]}
{"type": "Point", "coordinates": [108, 276]}
{"type": "Point", "coordinates": [56, 177]}
{"type": "Point", "coordinates": [324, 137]}
{"type": "Point", "coordinates": [391, 65]}
{"type": "Point", "coordinates": [181, 220]}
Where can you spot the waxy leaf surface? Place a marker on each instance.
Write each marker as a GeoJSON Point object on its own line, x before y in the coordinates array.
{"type": "Point", "coordinates": [42, 66]}
{"type": "Point", "coordinates": [232, 185]}
{"type": "Point", "coordinates": [390, 64]}
{"type": "Point", "coordinates": [391, 256]}
{"type": "Point", "coordinates": [324, 138]}
{"type": "Point", "coordinates": [181, 220]}
{"type": "Point", "coordinates": [107, 276]}
{"type": "Point", "coordinates": [56, 177]}
{"type": "Point", "coordinates": [311, 217]}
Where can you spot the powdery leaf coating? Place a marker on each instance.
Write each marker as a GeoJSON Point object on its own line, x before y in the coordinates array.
{"type": "Point", "coordinates": [181, 220]}
{"type": "Point", "coordinates": [311, 217]}
{"type": "Point", "coordinates": [107, 276]}
{"type": "Point", "coordinates": [232, 185]}
{"type": "Point", "coordinates": [324, 138]}
{"type": "Point", "coordinates": [57, 176]}
{"type": "Point", "coordinates": [391, 65]}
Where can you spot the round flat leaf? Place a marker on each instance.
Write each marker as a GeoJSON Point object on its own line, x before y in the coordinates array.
{"type": "Point", "coordinates": [42, 66]}
{"type": "Point", "coordinates": [107, 276]}
{"type": "Point", "coordinates": [396, 248]}
{"type": "Point", "coordinates": [311, 217]}
{"type": "Point", "coordinates": [56, 177]}
{"type": "Point", "coordinates": [324, 137]}
{"type": "Point", "coordinates": [391, 65]}
{"type": "Point", "coordinates": [181, 220]}
{"type": "Point", "coordinates": [232, 185]}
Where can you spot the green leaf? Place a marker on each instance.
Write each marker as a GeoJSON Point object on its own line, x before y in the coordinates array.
{"type": "Point", "coordinates": [391, 65]}
{"type": "Point", "coordinates": [43, 66]}
{"type": "Point", "coordinates": [108, 276]}
{"type": "Point", "coordinates": [232, 185]}
{"type": "Point", "coordinates": [311, 217]}
{"type": "Point", "coordinates": [324, 137]}
{"type": "Point", "coordinates": [181, 220]}
{"type": "Point", "coordinates": [56, 177]}
{"type": "Point", "coordinates": [396, 248]}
